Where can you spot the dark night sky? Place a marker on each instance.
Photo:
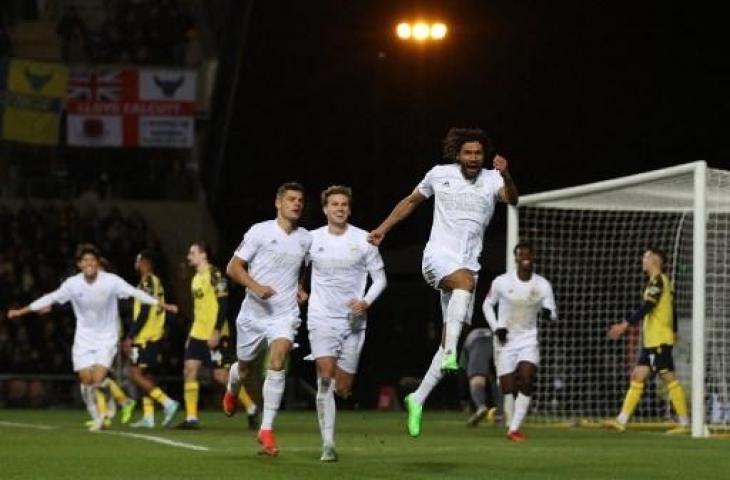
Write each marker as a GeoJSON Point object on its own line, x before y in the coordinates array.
{"type": "Point", "coordinates": [572, 92]}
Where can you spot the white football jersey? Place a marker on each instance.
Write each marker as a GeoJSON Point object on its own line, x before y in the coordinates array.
{"type": "Point", "coordinates": [274, 258]}
{"type": "Point", "coordinates": [462, 210]}
{"type": "Point", "coordinates": [340, 266]}
{"type": "Point", "coordinates": [519, 304]}
{"type": "Point", "coordinates": [94, 305]}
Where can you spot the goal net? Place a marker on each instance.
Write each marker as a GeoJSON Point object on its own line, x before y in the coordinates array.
{"type": "Point", "coordinates": [589, 243]}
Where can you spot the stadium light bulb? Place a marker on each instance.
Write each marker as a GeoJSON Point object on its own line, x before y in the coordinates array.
{"type": "Point", "coordinates": [438, 31]}
{"type": "Point", "coordinates": [421, 31]}
{"type": "Point", "coordinates": [403, 30]}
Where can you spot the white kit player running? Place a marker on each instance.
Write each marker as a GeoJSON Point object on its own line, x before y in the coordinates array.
{"type": "Point", "coordinates": [268, 263]}
{"type": "Point", "coordinates": [521, 296]}
{"type": "Point", "coordinates": [341, 260]}
{"type": "Point", "coordinates": [465, 197]}
{"type": "Point", "coordinates": [93, 294]}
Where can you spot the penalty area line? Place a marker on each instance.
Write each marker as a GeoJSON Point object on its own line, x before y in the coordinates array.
{"type": "Point", "coordinates": [162, 440]}
{"type": "Point", "coordinates": [35, 426]}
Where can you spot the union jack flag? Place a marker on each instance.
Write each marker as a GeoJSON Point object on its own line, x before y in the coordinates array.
{"type": "Point", "coordinates": [95, 85]}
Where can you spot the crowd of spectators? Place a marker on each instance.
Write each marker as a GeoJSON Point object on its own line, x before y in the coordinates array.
{"type": "Point", "coordinates": [159, 32]}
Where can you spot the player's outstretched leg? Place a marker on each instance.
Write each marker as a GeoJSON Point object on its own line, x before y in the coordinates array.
{"type": "Point", "coordinates": [414, 401]}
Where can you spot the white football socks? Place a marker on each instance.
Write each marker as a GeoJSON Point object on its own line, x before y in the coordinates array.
{"type": "Point", "coordinates": [88, 395]}
{"type": "Point", "coordinates": [326, 409]}
{"type": "Point", "coordinates": [455, 317]}
{"type": "Point", "coordinates": [234, 379]}
{"type": "Point", "coordinates": [521, 405]}
{"type": "Point", "coordinates": [508, 405]}
{"type": "Point", "coordinates": [273, 391]}
{"type": "Point", "coordinates": [431, 379]}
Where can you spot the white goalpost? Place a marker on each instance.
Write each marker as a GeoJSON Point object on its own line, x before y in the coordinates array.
{"type": "Point", "coordinates": [589, 241]}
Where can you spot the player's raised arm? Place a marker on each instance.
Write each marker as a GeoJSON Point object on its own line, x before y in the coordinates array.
{"type": "Point", "coordinates": [508, 193]}
{"type": "Point", "coordinates": [43, 303]}
{"type": "Point", "coordinates": [402, 210]}
{"type": "Point", "coordinates": [124, 290]}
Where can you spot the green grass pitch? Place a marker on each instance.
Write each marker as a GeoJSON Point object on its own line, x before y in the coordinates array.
{"type": "Point", "coordinates": [53, 444]}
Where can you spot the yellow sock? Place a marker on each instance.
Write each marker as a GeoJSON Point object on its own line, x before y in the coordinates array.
{"type": "Point", "coordinates": [245, 399]}
{"type": "Point", "coordinates": [117, 392]}
{"type": "Point", "coordinates": [191, 399]}
{"type": "Point", "coordinates": [159, 396]}
{"type": "Point", "coordinates": [148, 407]}
{"type": "Point", "coordinates": [676, 395]}
{"type": "Point", "coordinates": [633, 396]}
{"type": "Point", "coordinates": [101, 402]}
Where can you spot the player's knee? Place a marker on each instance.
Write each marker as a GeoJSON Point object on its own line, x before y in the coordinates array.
{"type": "Point", "coordinates": [343, 392]}
{"type": "Point", "coordinates": [507, 386]}
{"type": "Point", "coordinates": [242, 370]}
{"type": "Point", "coordinates": [276, 364]}
{"type": "Point", "coordinates": [478, 381]}
{"type": "Point", "coordinates": [220, 376]}
{"type": "Point", "coordinates": [525, 388]}
{"type": "Point", "coordinates": [190, 373]}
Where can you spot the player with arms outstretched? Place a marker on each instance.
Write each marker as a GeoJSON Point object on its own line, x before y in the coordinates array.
{"type": "Point", "coordinates": [93, 294]}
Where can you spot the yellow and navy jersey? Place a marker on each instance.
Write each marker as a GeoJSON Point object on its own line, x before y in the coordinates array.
{"type": "Point", "coordinates": [658, 326]}
{"type": "Point", "coordinates": [210, 291]}
{"type": "Point", "coordinates": [149, 319]}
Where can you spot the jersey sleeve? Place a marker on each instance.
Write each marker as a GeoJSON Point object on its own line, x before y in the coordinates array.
{"type": "Point", "coordinates": [248, 247]}
{"type": "Point", "coordinates": [425, 187]}
{"type": "Point", "coordinates": [124, 290]}
{"type": "Point", "coordinates": [653, 291]}
{"type": "Point", "coordinates": [148, 286]}
{"type": "Point", "coordinates": [496, 183]}
{"type": "Point", "coordinates": [489, 303]}
{"type": "Point", "coordinates": [548, 300]}
{"type": "Point", "coordinates": [373, 259]}
{"type": "Point", "coordinates": [651, 296]}
{"type": "Point", "coordinates": [60, 295]}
